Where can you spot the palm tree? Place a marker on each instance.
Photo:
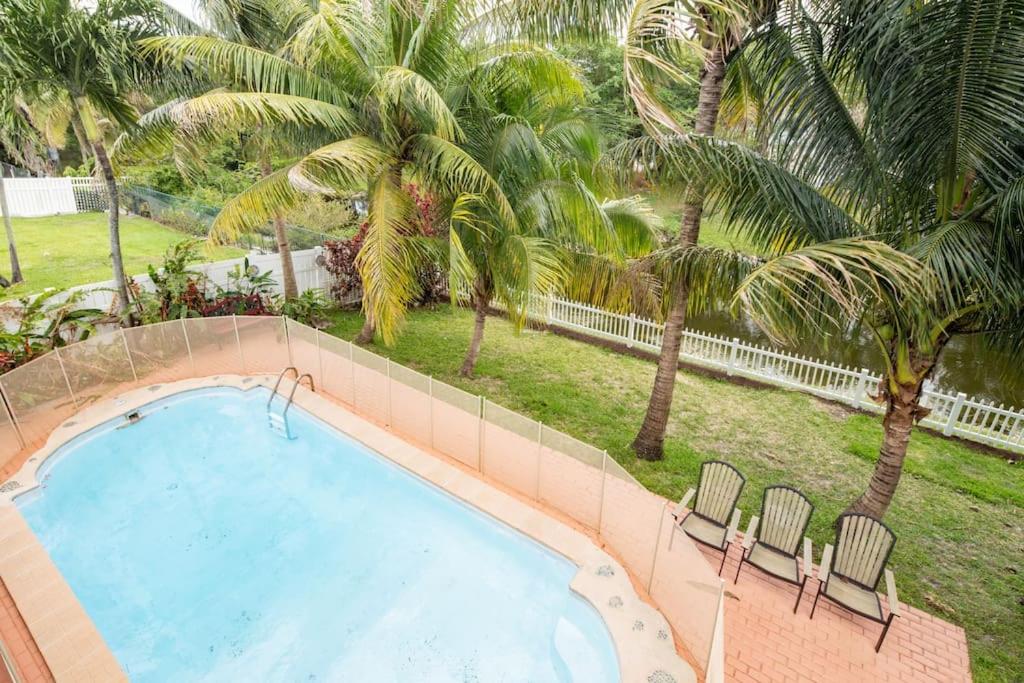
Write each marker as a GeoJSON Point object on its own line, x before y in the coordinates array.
{"type": "Point", "coordinates": [547, 165]}
{"type": "Point", "coordinates": [899, 123]}
{"type": "Point", "coordinates": [59, 46]}
{"type": "Point", "coordinates": [264, 25]}
{"type": "Point", "coordinates": [379, 93]}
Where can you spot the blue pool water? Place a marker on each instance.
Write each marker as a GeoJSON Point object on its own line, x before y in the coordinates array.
{"type": "Point", "coordinates": [205, 547]}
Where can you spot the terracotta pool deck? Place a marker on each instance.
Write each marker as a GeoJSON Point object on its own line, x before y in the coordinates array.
{"type": "Point", "coordinates": [766, 642]}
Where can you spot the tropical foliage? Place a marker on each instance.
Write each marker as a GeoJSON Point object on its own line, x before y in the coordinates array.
{"type": "Point", "coordinates": [384, 93]}
{"type": "Point", "coordinates": [37, 324]}
{"type": "Point", "coordinates": [84, 59]}
{"type": "Point", "coordinates": [850, 154]}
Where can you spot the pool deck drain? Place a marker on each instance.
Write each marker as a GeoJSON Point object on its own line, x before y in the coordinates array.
{"type": "Point", "coordinates": [75, 651]}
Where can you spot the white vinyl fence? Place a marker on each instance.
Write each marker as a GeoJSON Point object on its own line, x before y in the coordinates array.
{"type": "Point", "coordinates": [952, 414]}
{"type": "Point", "coordinates": [308, 275]}
{"type": "Point", "coordinates": [34, 197]}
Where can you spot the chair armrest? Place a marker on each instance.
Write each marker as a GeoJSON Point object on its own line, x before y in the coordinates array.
{"type": "Point", "coordinates": [730, 534]}
{"type": "Point", "coordinates": [826, 562]}
{"type": "Point", "coordinates": [890, 592]}
{"type": "Point", "coordinates": [683, 504]}
{"type": "Point", "coordinates": [808, 557]}
{"type": "Point", "coordinates": [748, 537]}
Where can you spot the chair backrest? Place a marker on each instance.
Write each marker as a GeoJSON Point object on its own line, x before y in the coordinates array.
{"type": "Point", "coordinates": [862, 549]}
{"type": "Point", "coordinates": [785, 514]}
{"type": "Point", "coordinates": [718, 490]}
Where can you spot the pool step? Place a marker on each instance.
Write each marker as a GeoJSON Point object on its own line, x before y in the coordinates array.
{"type": "Point", "coordinates": [279, 423]}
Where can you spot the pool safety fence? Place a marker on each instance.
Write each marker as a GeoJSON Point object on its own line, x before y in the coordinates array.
{"type": "Point", "coordinates": [530, 458]}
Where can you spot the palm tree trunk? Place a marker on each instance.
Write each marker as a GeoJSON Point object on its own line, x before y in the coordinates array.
{"type": "Point", "coordinates": [650, 440]}
{"type": "Point", "coordinates": [95, 138]}
{"type": "Point", "coordinates": [83, 145]}
{"type": "Point", "coordinates": [367, 333]}
{"type": "Point", "coordinates": [16, 276]}
{"type": "Point", "coordinates": [903, 409]}
{"type": "Point", "coordinates": [480, 301]}
{"type": "Point", "coordinates": [291, 289]}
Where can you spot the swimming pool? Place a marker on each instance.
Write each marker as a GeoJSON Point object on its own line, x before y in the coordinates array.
{"type": "Point", "coordinates": [205, 547]}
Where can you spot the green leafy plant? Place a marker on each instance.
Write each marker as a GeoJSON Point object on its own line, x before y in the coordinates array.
{"type": "Point", "coordinates": [41, 324]}
{"type": "Point", "coordinates": [309, 308]}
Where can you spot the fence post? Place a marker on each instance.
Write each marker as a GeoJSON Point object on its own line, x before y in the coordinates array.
{"type": "Point", "coordinates": [238, 340]}
{"type": "Point", "coordinates": [128, 352]}
{"type": "Point", "coordinates": [862, 387]}
{"type": "Point", "coordinates": [954, 414]}
{"type": "Point", "coordinates": [10, 411]}
{"type": "Point", "coordinates": [654, 558]}
{"type": "Point", "coordinates": [604, 472]}
{"type": "Point", "coordinates": [188, 346]}
{"type": "Point", "coordinates": [67, 381]}
{"type": "Point", "coordinates": [430, 394]}
{"type": "Point", "coordinates": [549, 300]}
{"type": "Point", "coordinates": [352, 372]}
{"type": "Point", "coordinates": [540, 439]}
{"type": "Point", "coordinates": [319, 357]}
{"type": "Point", "coordinates": [481, 414]}
{"type": "Point", "coordinates": [387, 389]}
{"type": "Point", "coordinates": [734, 346]}
{"type": "Point", "coordinates": [631, 331]}
{"type": "Point", "coordinates": [287, 340]}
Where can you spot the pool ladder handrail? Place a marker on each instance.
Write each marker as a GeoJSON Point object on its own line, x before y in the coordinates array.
{"type": "Point", "coordinates": [291, 397]}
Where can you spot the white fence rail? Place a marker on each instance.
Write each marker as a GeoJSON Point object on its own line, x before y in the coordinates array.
{"type": "Point", "coordinates": [951, 414]}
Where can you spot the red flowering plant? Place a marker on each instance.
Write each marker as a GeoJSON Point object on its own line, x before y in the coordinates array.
{"type": "Point", "coordinates": [341, 254]}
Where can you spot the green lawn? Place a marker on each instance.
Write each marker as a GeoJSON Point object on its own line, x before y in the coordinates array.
{"type": "Point", "coordinates": [959, 513]}
{"type": "Point", "coordinates": [62, 251]}
{"type": "Point", "coordinates": [712, 232]}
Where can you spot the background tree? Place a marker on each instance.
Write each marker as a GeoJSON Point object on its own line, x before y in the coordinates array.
{"type": "Point", "coordinates": [380, 93]}
{"type": "Point", "coordinates": [897, 123]}
{"type": "Point", "coordinates": [57, 46]}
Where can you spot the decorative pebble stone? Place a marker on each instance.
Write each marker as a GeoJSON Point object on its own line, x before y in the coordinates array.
{"type": "Point", "coordinates": [638, 625]}
{"type": "Point", "coordinates": [662, 634]}
{"type": "Point", "coordinates": [9, 486]}
{"type": "Point", "coordinates": [615, 601]}
{"type": "Point", "coordinates": [605, 570]}
{"type": "Point", "coordinates": [660, 676]}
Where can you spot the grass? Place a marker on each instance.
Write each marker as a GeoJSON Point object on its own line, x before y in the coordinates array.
{"type": "Point", "coordinates": [712, 227]}
{"type": "Point", "coordinates": [958, 515]}
{"type": "Point", "coordinates": [63, 251]}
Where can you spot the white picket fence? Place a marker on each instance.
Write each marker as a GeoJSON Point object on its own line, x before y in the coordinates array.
{"type": "Point", "coordinates": [951, 414]}
{"type": "Point", "coordinates": [34, 197]}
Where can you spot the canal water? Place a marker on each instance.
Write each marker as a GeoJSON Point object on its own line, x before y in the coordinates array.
{"type": "Point", "coordinates": [966, 364]}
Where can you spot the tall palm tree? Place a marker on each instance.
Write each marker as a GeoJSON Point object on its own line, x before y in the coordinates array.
{"type": "Point", "coordinates": [900, 123]}
{"type": "Point", "coordinates": [265, 25]}
{"type": "Point", "coordinates": [88, 53]}
{"type": "Point", "coordinates": [378, 93]}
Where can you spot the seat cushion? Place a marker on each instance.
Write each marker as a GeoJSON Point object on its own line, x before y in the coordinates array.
{"type": "Point", "coordinates": [704, 530]}
{"type": "Point", "coordinates": [774, 562]}
{"type": "Point", "coordinates": [854, 597]}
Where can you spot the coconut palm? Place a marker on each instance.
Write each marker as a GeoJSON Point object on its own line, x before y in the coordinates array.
{"type": "Point", "coordinates": [378, 93]}
{"type": "Point", "coordinates": [547, 165]}
{"type": "Point", "coordinates": [88, 53]}
{"type": "Point", "coordinates": [265, 25]}
{"type": "Point", "coordinates": [900, 123]}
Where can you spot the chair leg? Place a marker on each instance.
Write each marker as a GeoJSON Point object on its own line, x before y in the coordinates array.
{"type": "Point", "coordinates": [816, 596]}
{"type": "Point", "coordinates": [885, 630]}
{"type": "Point", "coordinates": [738, 568]}
{"type": "Point", "coordinates": [798, 595]}
{"type": "Point", "coordinates": [725, 554]}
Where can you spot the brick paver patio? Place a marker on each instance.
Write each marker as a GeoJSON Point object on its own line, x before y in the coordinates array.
{"type": "Point", "coordinates": [766, 642]}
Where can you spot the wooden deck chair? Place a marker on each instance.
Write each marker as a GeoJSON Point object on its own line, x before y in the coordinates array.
{"type": "Point", "coordinates": [773, 539]}
{"type": "Point", "coordinates": [718, 489]}
{"type": "Point", "coordinates": [850, 576]}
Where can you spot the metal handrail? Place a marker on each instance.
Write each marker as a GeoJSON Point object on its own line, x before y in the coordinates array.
{"type": "Point", "coordinates": [273, 392]}
{"type": "Point", "coordinates": [291, 395]}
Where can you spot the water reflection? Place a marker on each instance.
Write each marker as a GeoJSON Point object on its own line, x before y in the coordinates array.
{"type": "Point", "coordinates": [966, 364]}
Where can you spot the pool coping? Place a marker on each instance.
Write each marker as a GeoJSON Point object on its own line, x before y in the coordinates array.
{"type": "Point", "coordinates": [74, 649]}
